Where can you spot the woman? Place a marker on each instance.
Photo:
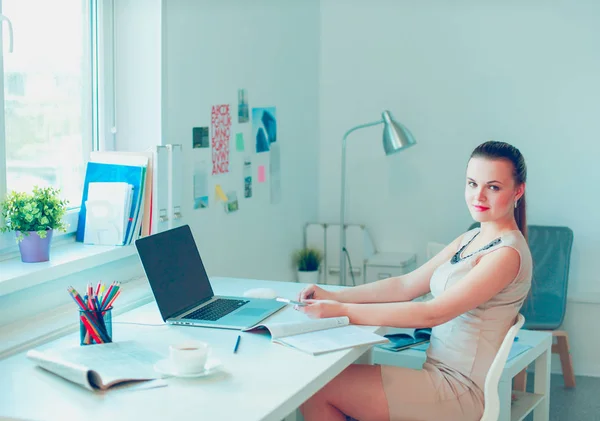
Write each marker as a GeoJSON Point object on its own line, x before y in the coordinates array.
{"type": "Point", "coordinates": [478, 282]}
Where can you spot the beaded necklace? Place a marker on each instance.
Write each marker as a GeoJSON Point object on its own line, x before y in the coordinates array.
{"type": "Point", "coordinates": [457, 257]}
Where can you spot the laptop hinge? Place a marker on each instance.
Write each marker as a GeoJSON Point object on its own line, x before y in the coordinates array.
{"type": "Point", "coordinates": [190, 308]}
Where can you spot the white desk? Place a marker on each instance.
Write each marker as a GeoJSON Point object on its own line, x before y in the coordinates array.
{"type": "Point", "coordinates": [539, 354]}
{"type": "Point", "coordinates": [263, 381]}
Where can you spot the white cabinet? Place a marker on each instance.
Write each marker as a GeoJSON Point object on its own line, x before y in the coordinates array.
{"type": "Point", "coordinates": [389, 264]}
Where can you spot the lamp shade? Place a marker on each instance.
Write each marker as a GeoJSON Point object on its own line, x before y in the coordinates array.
{"type": "Point", "coordinates": [396, 137]}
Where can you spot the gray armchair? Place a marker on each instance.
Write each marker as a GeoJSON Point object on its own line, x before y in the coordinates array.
{"type": "Point", "coordinates": [546, 305]}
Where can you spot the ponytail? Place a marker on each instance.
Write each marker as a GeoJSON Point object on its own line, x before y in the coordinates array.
{"type": "Point", "coordinates": [521, 217]}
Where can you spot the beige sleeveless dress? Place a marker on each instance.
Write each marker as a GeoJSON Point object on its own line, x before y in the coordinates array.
{"type": "Point", "coordinates": [450, 385]}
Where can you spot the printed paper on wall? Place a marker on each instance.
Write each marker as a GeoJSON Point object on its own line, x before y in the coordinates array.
{"type": "Point", "coordinates": [221, 133]}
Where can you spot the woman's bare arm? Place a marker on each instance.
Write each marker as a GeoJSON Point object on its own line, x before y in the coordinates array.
{"type": "Point", "coordinates": [400, 288]}
{"type": "Point", "coordinates": [490, 276]}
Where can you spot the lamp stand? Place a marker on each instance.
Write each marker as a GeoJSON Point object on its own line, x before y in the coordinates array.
{"type": "Point", "coordinates": [343, 201]}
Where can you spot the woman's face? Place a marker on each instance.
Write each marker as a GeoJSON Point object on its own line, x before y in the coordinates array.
{"type": "Point", "coordinates": [490, 190]}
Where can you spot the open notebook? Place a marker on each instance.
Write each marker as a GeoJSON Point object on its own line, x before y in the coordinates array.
{"type": "Point", "coordinates": [102, 366]}
{"type": "Point", "coordinates": [319, 336]}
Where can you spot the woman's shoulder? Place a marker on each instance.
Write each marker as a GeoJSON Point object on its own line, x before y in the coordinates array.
{"type": "Point", "coordinates": [516, 240]}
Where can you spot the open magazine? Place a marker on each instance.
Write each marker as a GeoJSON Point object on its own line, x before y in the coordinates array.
{"type": "Point", "coordinates": [318, 336]}
{"type": "Point", "coordinates": [400, 341]}
{"type": "Point", "coordinates": [102, 366]}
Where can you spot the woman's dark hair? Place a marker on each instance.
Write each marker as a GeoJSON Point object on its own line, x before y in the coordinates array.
{"type": "Point", "coordinates": [501, 150]}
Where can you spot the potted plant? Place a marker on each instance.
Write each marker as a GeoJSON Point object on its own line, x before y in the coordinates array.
{"type": "Point", "coordinates": [307, 262]}
{"type": "Point", "coordinates": [33, 217]}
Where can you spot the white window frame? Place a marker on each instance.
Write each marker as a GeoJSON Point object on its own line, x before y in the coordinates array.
{"type": "Point", "coordinates": [98, 106]}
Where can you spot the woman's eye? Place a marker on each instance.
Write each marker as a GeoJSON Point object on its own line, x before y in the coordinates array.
{"type": "Point", "coordinates": [495, 188]}
{"type": "Point", "coordinates": [471, 184]}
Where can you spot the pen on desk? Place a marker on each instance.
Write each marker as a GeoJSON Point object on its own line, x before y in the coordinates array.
{"type": "Point", "coordinates": [237, 344]}
{"type": "Point", "coordinates": [287, 300]}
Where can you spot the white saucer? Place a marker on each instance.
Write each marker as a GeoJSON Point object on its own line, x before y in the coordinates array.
{"type": "Point", "coordinates": [164, 367]}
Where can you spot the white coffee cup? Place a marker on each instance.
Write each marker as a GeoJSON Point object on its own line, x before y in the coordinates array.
{"type": "Point", "coordinates": [188, 357]}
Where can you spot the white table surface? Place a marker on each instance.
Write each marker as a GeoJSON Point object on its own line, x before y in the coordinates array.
{"type": "Point", "coordinates": [262, 381]}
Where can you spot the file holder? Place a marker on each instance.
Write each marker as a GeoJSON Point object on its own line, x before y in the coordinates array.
{"type": "Point", "coordinates": [95, 327]}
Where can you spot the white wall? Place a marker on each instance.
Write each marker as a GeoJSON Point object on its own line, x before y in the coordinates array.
{"type": "Point", "coordinates": [210, 49]}
{"type": "Point", "coordinates": [457, 74]}
{"type": "Point", "coordinates": [138, 74]}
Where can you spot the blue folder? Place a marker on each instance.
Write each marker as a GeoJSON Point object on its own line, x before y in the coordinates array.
{"type": "Point", "coordinates": [99, 172]}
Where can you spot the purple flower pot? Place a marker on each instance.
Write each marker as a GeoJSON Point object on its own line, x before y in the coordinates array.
{"type": "Point", "coordinates": [35, 249]}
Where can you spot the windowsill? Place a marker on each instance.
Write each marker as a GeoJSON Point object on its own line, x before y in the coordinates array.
{"type": "Point", "coordinates": [29, 333]}
{"type": "Point", "coordinates": [65, 260]}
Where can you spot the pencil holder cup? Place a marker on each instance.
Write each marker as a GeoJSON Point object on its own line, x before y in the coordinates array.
{"type": "Point", "coordinates": [95, 327]}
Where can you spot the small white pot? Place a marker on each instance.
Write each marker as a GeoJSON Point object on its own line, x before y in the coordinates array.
{"type": "Point", "coordinates": [311, 277]}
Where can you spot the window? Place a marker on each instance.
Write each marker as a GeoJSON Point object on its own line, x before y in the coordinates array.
{"type": "Point", "coordinates": [49, 97]}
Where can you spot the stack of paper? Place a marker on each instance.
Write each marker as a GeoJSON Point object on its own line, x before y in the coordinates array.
{"type": "Point", "coordinates": [108, 207]}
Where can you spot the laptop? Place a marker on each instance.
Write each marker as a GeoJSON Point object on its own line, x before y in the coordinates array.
{"type": "Point", "coordinates": [183, 291]}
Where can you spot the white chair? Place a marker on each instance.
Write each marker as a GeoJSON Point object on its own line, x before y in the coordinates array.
{"type": "Point", "coordinates": [492, 400]}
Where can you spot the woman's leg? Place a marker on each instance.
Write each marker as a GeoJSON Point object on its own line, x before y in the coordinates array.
{"type": "Point", "coordinates": [357, 391]}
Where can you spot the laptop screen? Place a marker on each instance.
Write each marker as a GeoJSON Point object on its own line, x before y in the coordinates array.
{"type": "Point", "coordinates": [174, 269]}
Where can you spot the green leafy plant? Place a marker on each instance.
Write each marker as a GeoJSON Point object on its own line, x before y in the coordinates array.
{"type": "Point", "coordinates": [39, 211]}
{"type": "Point", "coordinates": [307, 259]}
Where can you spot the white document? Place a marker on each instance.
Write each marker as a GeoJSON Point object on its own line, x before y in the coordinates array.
{"type": "Point", "coordinates": [108, 207]}
{"type": "Point", "coordinates": [100, 366]}
{"type": "Point", "coordinates": [318, 336]}
{"type": "Point", "coordinates": [136, 159]}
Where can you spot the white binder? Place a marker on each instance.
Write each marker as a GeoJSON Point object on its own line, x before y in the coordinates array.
{"type": "Point", "coordinates": [314, 237]}
{"type": "Point", "coordinates": [327, 237]}
{"type": "Point", "coordinates": [355, 245]}
{"type": "Point", "coordinates": [175, 177]}
{"type": "Point", "coordinates": [332, 241]}
{"type": "Point", "coordinates": [160, 190]}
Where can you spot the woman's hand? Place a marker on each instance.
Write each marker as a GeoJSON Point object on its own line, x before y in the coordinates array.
{"type": "Point", "coordinates": [320, 309]}
{"type": "Point", "coordinates": [313, 292]}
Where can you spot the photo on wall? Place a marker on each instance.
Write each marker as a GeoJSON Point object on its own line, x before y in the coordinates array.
{"type": "Point", "coordinates": [264, 128]}
{"type": "Point", "coordinates": [232, 204]}
{"type": "Point", "coordinates": [200, 185]}
{"type": "Point", "coordinates": [247, 178]}
{"type": "Point", "coordinates": [200, 137]}
{"type": "Point", "coordinates": [243, 106]}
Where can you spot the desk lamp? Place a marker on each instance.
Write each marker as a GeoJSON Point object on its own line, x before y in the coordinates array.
{"type": "Point", "coordinates": [396, 138]}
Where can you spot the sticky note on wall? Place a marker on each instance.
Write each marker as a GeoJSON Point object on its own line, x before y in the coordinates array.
{"type": "Point", "coordinates": [239, 141]}
{"type": "Point", "coordinates": [261, 174]}
{"type": "Point", "coordinates": [220, 193]}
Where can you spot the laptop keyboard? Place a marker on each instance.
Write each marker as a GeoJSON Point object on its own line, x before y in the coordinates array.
{"type": "Point", "coordinates": [216, 309]}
